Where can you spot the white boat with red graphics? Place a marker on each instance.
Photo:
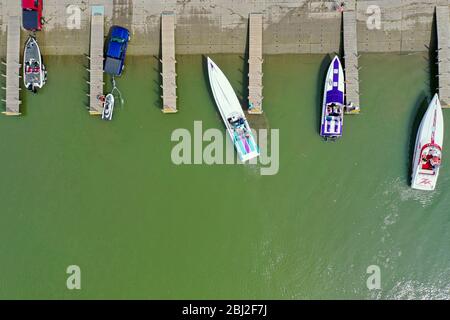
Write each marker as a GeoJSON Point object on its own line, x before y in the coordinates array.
{"type": "Point", "coordinates": [428, 148]}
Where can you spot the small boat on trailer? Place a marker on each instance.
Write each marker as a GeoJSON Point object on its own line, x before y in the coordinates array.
{"type": "Point", "coordinates": [34, 72]}
{"type": "Point", "coordinates": [232, 114]}
{"type": "Point", "coordinates": [428, 148]}
{"type": "Point", "coordinates": [108, 107]}
{"type": "Point", "coordinates": [332, 119]}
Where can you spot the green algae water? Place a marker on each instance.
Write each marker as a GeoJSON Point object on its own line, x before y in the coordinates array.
{"type": "Point", "coordinates": [106, 196]}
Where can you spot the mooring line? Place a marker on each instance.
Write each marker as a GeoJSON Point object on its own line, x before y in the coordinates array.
{"type": "Point", "coordinates": [116, 89]}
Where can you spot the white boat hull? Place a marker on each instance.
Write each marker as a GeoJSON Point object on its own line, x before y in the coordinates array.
{"type": "Point", "coordinates": [428, 148]}
{"type": "Point", "coordinates": [34, 72]}
{"type": "Point", "coordinates": [108, 107]}
{"type": "Point", "coordinates": [232, 114]}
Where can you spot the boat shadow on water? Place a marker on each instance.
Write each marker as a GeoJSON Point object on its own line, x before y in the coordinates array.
{"type": "Point", "coordinates": [419, 110]}
{"type": "Point", "coordinates": [433, 57]}
{"type": "Point", "coordinates": [158, 103]}
{"type": "Point", "coordinates": [320, 88]}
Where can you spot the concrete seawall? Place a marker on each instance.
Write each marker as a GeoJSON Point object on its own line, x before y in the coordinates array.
{"type": "Point", "coordinates": [220, 26]}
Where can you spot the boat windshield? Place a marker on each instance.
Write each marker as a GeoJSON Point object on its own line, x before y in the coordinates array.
{"type": "Point", "coordinates": [431, 158]}
{"type": "Point", "coordinates": [238, 124]}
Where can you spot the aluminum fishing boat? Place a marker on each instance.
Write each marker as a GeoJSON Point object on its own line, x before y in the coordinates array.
{"type": "Point", "coordinates": [428, 148]}
{"type": "Point", "coordinates": [108, 107]}
{"type": "Point", "coordinates": [34, 73]}
{"type": "Point", "coordinates": [232, 114]}
{"type": "Point", "coordinates": [332, 119]}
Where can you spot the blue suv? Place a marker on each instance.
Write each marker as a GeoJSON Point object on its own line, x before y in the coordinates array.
{"type": "Point", "coordinates": [115, 50]}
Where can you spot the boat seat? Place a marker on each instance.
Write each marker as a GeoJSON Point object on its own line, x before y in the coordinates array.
{"type": "Point", "coordinates": [426, 171]}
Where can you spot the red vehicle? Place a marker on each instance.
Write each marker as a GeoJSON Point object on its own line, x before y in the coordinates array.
{"type": "Point", "coordinates": [32, 14]}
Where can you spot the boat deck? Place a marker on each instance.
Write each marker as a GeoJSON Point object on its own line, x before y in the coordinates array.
{"type": "Point", "coordinates": [351, 59]}
{"type": "Point", "coordinates": [168, 61]}
{"type": "Point", "coordinates": [96, 60]}
{"type": "Point", "coordinates": [12, 98]}
{"type": "Point", "coordinates": [443, 34]}
{"type": "Point", "coordinates": [255, 62]}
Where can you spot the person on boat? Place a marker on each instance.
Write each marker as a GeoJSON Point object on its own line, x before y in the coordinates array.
{"type": "Point", "coordinates": [329, 110]}
{"type": "Point", "coordinates": [337, 111]}
{"type": "Point", "coordinates": [435, 162]}
{"type": "Point", "coordinates": [424, 157]}
{"type": "Point", "coordinates": [431, 159]}
{"type": "Point", "coordinates": [28, 67]}
{"type": "Point", "coordinates": [434, 152]}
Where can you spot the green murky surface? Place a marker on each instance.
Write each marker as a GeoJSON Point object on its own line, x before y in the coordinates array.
{"type": "Point", "coordinates": [106, 196]}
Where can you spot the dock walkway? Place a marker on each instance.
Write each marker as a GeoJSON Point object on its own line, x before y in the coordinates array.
{"type": "Point", "coordinates": [168, 74]}
{"type": "Point", "coordinates": [12, 97]}
{"type": "Point", "coordinates": [351, 60]}
{"type": "Point", "coordinates": [443, 34]}
{"type": "Point", "coordinates": [255, 62]}
{"type": "Point", "coordinates": [96, 60]}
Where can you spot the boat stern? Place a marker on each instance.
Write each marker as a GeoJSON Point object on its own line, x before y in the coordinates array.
{"type": "Point", "coordinates": [249, 156]}
{"type": "Point", "coordinates": [246, 146]}
{"type": "Point", "coordinates": [424, 182]}
{"type": "Point", "coordinates": [331, 128]}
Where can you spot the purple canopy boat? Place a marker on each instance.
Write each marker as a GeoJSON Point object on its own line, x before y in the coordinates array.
{"type": "Point", "coordinates": [333, 102]}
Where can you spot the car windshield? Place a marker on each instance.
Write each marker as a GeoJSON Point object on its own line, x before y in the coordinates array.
{"type": "Point", "coordinates": [119, 40]}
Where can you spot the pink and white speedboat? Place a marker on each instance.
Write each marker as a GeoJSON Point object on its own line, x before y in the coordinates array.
{"type": "Point", "coordinates": [428, 149]}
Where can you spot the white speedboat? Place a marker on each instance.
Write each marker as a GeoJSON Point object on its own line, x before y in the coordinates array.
{"type": "Point", "coordinates": [428, 148]}
{"type": "Point", "coordinates": [232, 114]}
{"type": "Point", "coordinates": [108, 107]}
{"type": "Point", "coordinates": [34, 73]}
{"type": "Point", "coordinates": [332, 119]}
